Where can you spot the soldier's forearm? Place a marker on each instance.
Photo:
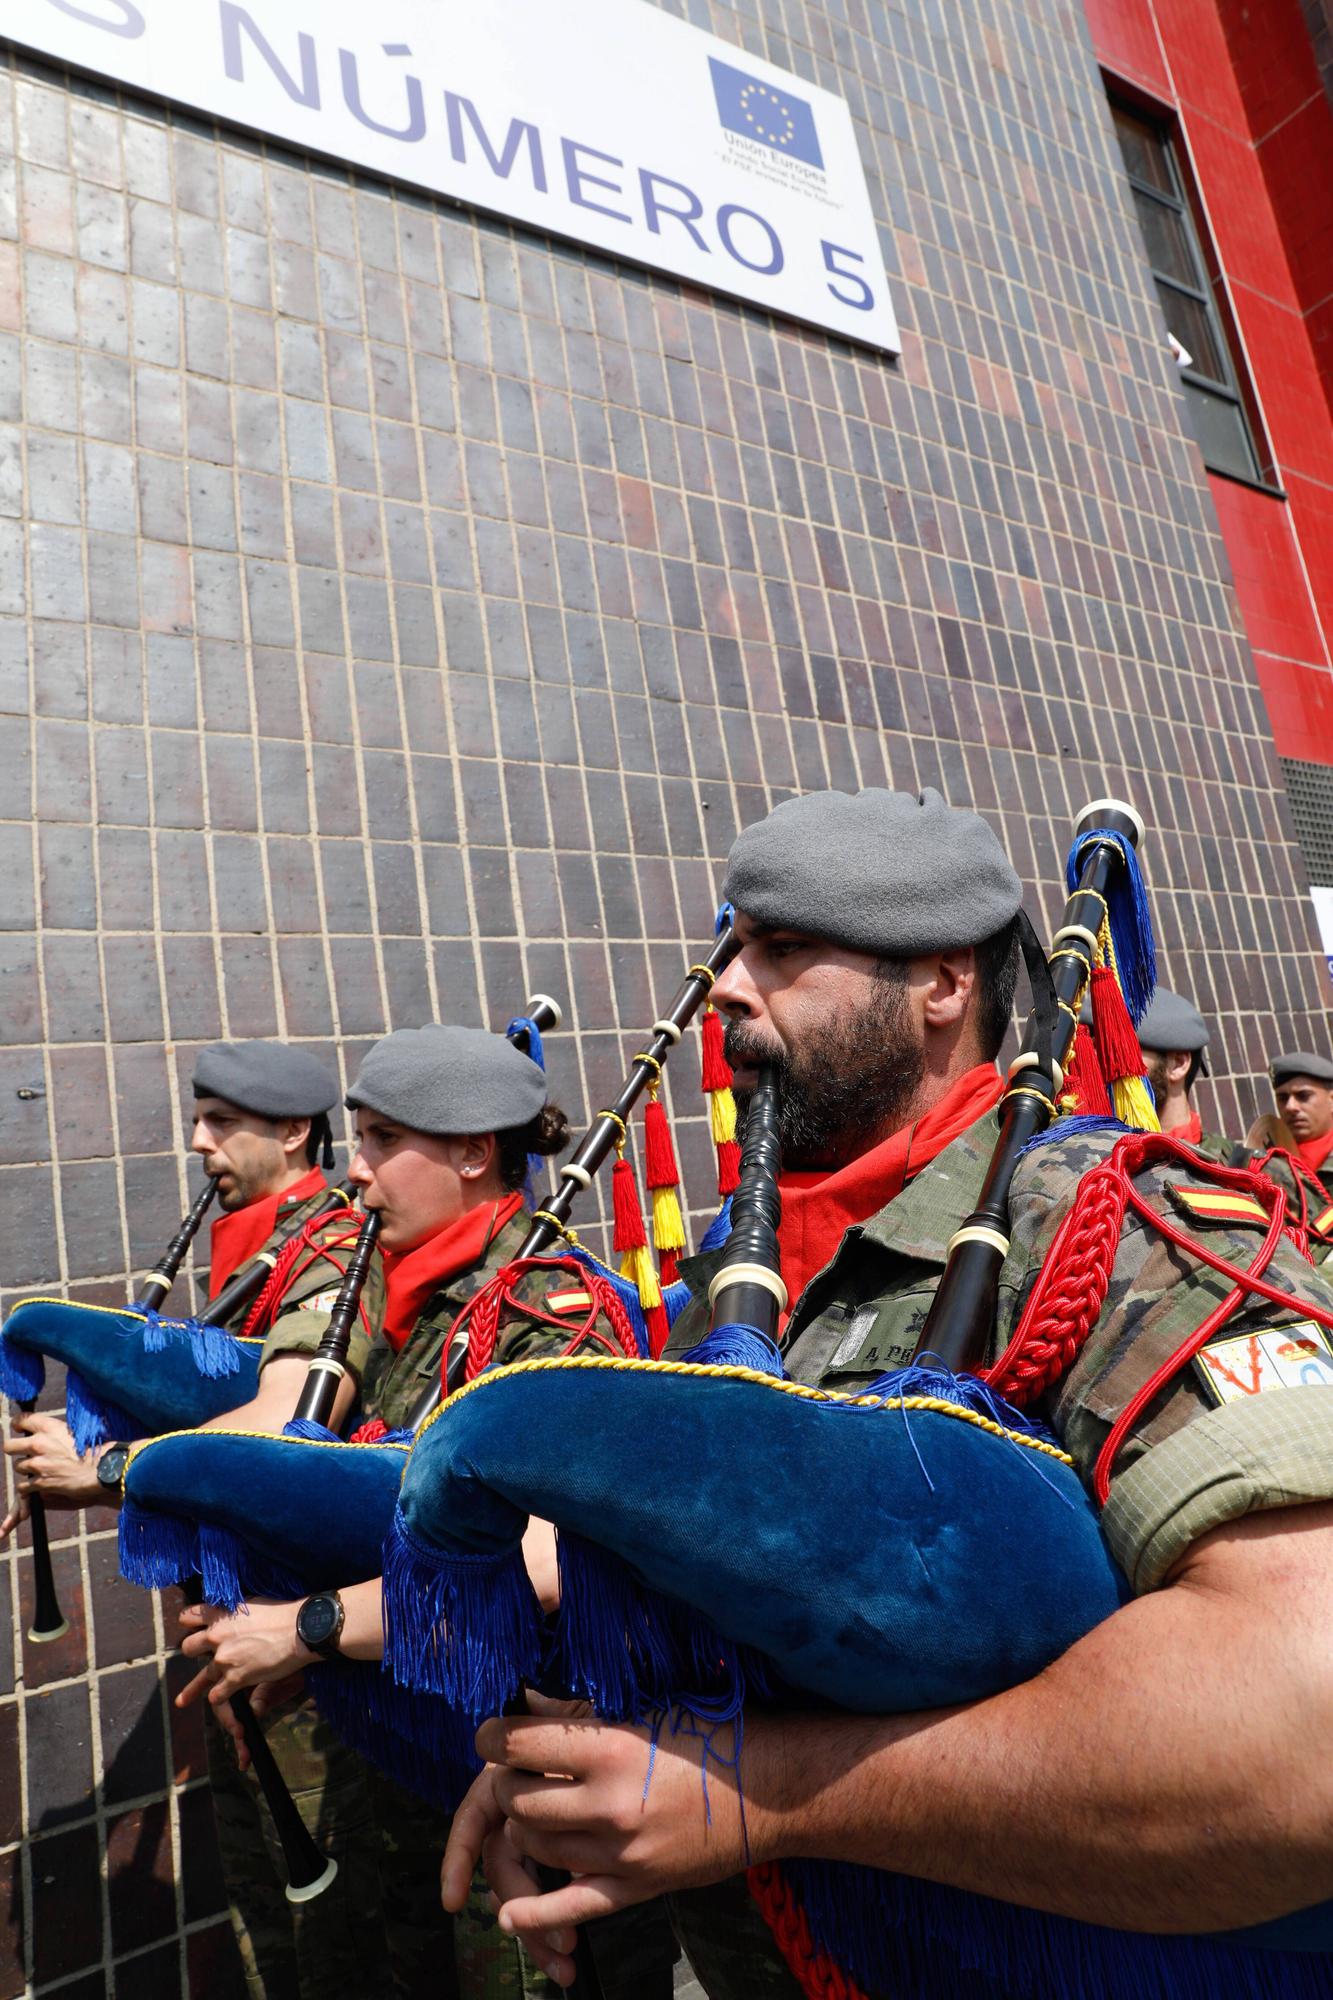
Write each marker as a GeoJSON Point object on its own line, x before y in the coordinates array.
{"type": "Point", "coordinates": [1158, 1777]}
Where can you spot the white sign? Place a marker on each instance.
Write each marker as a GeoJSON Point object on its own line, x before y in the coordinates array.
{"type": "Point", "coordinates": [606, 121]}
{"type": "Point", "coordinates": [1323, 910]}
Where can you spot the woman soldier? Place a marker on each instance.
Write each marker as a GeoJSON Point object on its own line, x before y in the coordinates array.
{"type": "Point", "coordinates": [446, 1119]}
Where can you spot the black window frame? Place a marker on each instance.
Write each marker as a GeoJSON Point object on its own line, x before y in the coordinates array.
{"type": "Point", "coordinates": [1181, 201]}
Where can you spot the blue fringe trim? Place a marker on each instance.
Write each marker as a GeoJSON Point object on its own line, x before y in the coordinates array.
{"type": "Point", "coordinates": [303, 1427]}
{"type": "Point", "coordinates": [22, 1373]}
{"type": "Point", "coordinates": [633, 1653]}
{"type": "Point", "coordinates": [719, 1229]}
{"type": "Point", "coordinates": [737, 1346]}
{"type": "Point", "coordinates": [1131, 923]}
{"type": "Point", "coordinates": [416, 1739]}
{"type": "Point", "coordinates": [726, 914]}
{"type": "Point", "coordinates": [675, 1298]}
{"type": "Point", "coordinates": [92, 1418]}
{"type": "Point", "coordinates": [467, 1627]}
{"type": "Point", "coordinates": [161, 1549]}
{"type": "Point", "coordinates": [921, 1941]}
{"type": "Point", "coordinates": [216, 1353]}
{"type": "Point", "coordinates": [1070, 1128]}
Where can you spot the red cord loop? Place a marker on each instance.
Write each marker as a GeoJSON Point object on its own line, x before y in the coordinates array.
{"type": "Point", "coordinates": [283, 1276]}
{"type": "Point", "coordinates": [1073, 1282]}
{"type": "Point", "coordinates": [485, 1310]}
{"type": "Point", "coordinates": [817, 1975]}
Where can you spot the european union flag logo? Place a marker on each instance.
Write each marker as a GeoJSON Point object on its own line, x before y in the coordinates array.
{"type": "Point", "coordinates": [775, 118]}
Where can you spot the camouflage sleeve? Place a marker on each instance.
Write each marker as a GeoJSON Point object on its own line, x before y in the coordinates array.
{"type": "Point", "coordinates": [304, 1312]}
{"type": "Point", "coordinates": [552, 1314]}
{"type": "Point", "coordinates": [1189, 1465]}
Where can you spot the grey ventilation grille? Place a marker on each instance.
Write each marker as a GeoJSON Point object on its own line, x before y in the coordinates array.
{"type": "Point", "coordinates": [1310, 792]}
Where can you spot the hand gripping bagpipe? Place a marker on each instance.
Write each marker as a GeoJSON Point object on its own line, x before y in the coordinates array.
{"type": "Point", "coordinates": [928, 1543]}
{"type": "Point", "coordinates": [134, 1373]}
{"type": "Point", "coordinates": [24, 1383]}
{"type": "Point", "coordinates": [265, 1517]}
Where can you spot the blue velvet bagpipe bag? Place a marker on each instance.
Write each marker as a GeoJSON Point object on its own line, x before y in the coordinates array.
{"type": "Point", "coordinates": [130, 1373]}
{"type": "Point", "coordinates": [727, 1537]}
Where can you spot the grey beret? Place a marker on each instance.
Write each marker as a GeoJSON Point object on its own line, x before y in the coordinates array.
{"type": "Point", "coordinates": [1302, 1063]}
{"type": "Point", "coordinates": [883, 872]}
{"type": "Point", "coordinates": [1171, 1023]}
{"type": "Point", "coordinates": [449, 1080]}
{"type": "Point", "coordinates": [268, 1078]}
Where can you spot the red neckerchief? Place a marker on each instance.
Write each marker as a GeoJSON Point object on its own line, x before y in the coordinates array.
{"type": "Point", "coordinates": [818, 1207]}
{"type": "Point", "coordinates": [1191, 1131]}
{"type": "Point", "coordinates": [412, 1277]}
{"type": "Point", "coordinates": [1315, 1151]}
{"type": "Point", "coordinates": [234, 1239]}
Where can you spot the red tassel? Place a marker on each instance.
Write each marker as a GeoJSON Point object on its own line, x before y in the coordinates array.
{"type": "Point", "coordinates": [630, 1233]}
{"type": "Point", "coordinates": [668, 1268]}
{"type": "Point", "coordinates": [659, 1330]}
{"type": "Point", "coordinates": [728, 1166]}
{"type": "Point", "coordinates": [715, 1071]}
{"type": "Point", "coordinates": [659, 1155]}
{"type": "Point", "coordinates": [1084, 1081]}
{"type": "Point", "coordinates": [1118, 1051]}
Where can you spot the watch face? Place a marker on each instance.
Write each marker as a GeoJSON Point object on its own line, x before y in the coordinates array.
{"type": "Point", "coordinates": [111, 1465]}
{"type": "Point", "coordinates": [319, 1619]}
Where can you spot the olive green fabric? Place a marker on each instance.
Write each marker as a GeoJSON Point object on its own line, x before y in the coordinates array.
{"type": "Point", "coordinates": [392, 1384]}
{"type": "Point", "coordinates": [338, 1942]}
{"type": "Point", "coordinates": [303, 1313]}
{"type": "Point", "coordinates": [1186, 1470]}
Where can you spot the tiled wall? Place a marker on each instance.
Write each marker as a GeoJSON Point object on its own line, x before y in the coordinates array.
{"type": "Point", "coordinates": [398, 612]}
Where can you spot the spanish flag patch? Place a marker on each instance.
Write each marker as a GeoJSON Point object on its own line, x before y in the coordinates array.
{"type": "Point", "coordinates": [1323, 1224]}
{"type": "Point", "coordinates": [1220, 1205]}
{"type": "Point", "coordinates": [568, 1302]}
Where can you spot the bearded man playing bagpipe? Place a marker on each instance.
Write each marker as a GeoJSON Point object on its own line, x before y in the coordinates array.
{"type": "Point", "coordinates": [1165, 1775]}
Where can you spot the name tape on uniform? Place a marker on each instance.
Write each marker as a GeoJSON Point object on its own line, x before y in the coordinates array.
{"type": "Point", "coordinates": [1250, 1364]}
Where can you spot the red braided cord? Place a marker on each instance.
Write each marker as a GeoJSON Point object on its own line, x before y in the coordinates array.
{"type": "Point", "coordinates": [483, 1312]}
{"type": "Point", "coordinates": [1070, 1290]}
{"type": "Point", "coordinates": [1244, 1281]}
{"type": "Point", "coordinates": [817, 1975]}
{"type": "Point", "coordinates": [282, 1277]}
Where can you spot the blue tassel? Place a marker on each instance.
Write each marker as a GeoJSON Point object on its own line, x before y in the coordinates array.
{"type": "Point", "coordinates": [93, 1418]}
{"type": "Point", "coordinates": [521, 1024]}
{"type": "Point", "coordinates": [1131, 923]}
{"type": "Point", "coordinates": [161, 1549]}
{"type": "Point", "coordinates": [22, 1373]}
{"type": "Point", "coordinates": [726, 914]}
{"type": "Point", "coordinates": [969, 1392]}
{"type": "Point", "coordinates": [922, 1941]}
{"type": "Point", "coordinates": [304, 1427]}
{"type": "Point", "coordinates": [416, 1739]}
{"type": "Point", "coordinates": [216, 1352]}
{"type": "Point", "coordinates": [719, 1229]}
{"type": "Point", "coordinates": [675, 1298]}
{"type": "Point", "coordinates": [1070, 1128]}
{"type": "Point", "coordinates": [465, 1627]}
{"type": "Point", "coordinates": [634, 1653]}
{"type": "Point", "coordinates": [737, 1346]}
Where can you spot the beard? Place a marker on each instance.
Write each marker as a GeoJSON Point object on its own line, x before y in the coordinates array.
{"type": "Point", "coordinates": [1154, 1068]}
{"type": "Point", "coordinates": [845, 1089]}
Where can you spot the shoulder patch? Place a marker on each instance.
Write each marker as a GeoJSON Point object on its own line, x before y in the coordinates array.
{"type": "Point", "coordinates": [1218, 1205]}
{"type": "Point", "coordinates": [1250, 1364]}
{"type": "Point", "coordinates": [568, 1302]}
{"type": "Point", "coordinates": [1322, 1224]}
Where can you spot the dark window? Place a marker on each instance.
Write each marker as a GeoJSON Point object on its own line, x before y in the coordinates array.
{"type": "Point", "coordinates": [1214, 381]}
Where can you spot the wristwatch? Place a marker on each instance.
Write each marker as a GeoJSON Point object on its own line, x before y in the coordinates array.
{"type": "Point", "coordinates": [319, 1623]}
{"type": "Point", "coordinates": [111, 1466]}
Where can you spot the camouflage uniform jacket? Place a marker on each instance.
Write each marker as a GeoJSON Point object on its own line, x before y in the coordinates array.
{"type": "Point", "coordinates": [303, 1312]}
{"type": "Point", "coordinates": [393, 1383]}
{"type": "Point", "coordinates": [1188, 1466]}
{"type": "Point", "coordinates": [1186, 1469]}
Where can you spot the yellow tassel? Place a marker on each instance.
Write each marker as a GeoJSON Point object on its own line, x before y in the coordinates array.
{"type": "Point", "coordinates": [668, 1223]}
{"type": "Point", "coordinates": [1134, 1105]}
{"type": "Point", "coordinates": [638, 1265]}
{"type": "Point", "coordinates": [722, 1116]}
